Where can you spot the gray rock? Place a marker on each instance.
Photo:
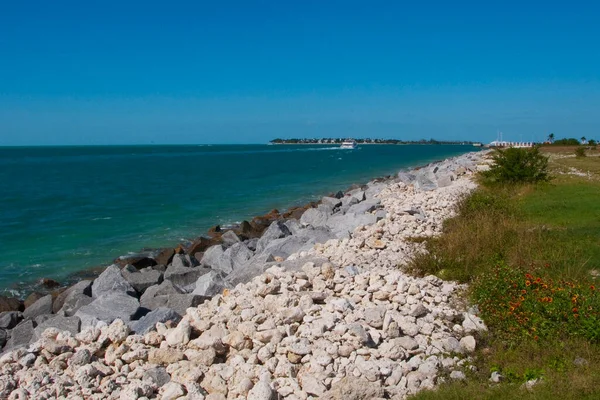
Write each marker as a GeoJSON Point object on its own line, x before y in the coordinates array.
{"type": "Point", "coordinates": [184, 277]}
{"type": "Point", "coordinates": [71, 324]}
{"type": "Point", "coordinates": [212, 256]}
{"type": "Point", "coordinates": [343, 225]}
{"type": "Point", "coordinates": [166, 288]}
{"type": "Point", "coordinates": [380, 214]}
{"type": "Point", "coordinates": [418, 310]}
{"type": "Point", "coordinates": [73, 302]}
{"type": "Point", "coordinates": [425, 179]}
{"type": "Point", "coordinates": [407, 343]}
{"type": "Point", "coordinates": [331, 201]}
{"type": "Point", "coordinates": [210, 284]}
{"type": "Point", "coordinates": [251, 243]}
{"type": "Point", "coordinates": [314, 217]}
{"type": "Point", "coordinates": [41, 307]}
{"type": "Point", "coordinates": [348, 202]}
{"type": "Point", "coordinates": [111, 281]}
{"type": "Point", "coordinates": [255, 266]}
{"type": "Point", "coordinates": [40, 319]}
{"type": "Point", "coordinates": [285, 246]}
{"type": "Point", "coordinates": [358, 194]}
{"type": "Point", "coordinates": [276, 230]}
{"type": "Point", "coordinates": [182, 260]}
{"type": "Point", "coordinates": [373, 189]}
{"type": "Point", "coordinates": [374, 316]}
{"type": "Point", "coordinates": [82, 287]}
{"type": "Point", "coordinates": [361, 333]}
{"type": "Point", "coordinates": [326, 209]}
{"type": "Point", "coordinates": [234, 257]}
{"type": "Point", "coordinates": [107, 308]}
{"type": "Point", "coordinates": [444, 179]}
{"type": "Point", "coordinates": [148, 322]}
{"type": "Point", "coordinates": [3, 338]}
{"type": "Point", "coordinates": [365, 207]}
{"type": "Point", "coordinates": [406, 177]}
{"type": "Point", "coordinates": [20, 335]}
{"type": "Point", "coordinates": [229, 238]}
{"type": "Point", "coordinates": [142, 279]}
{"type": "Point", "coordinates": [177, 302]}
{"type": "Point", "coordinates": [293, 225]}
{"type": "Point", "coordinates": [158, 376]}
{"type": "Point", "coordinates": [10, 319]}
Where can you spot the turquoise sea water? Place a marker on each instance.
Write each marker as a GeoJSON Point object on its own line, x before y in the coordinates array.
{"type": "Point", "coordinates": [66, 209]}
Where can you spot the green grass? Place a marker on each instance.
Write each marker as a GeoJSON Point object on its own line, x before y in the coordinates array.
{"type": "Point", "coordinates": [551, 230]}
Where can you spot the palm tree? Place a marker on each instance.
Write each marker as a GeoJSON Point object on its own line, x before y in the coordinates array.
{"type": "Point", "coordinates": [551, 138]}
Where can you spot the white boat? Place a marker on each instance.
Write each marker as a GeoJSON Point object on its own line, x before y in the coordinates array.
{"type": "Point", "coordinates": [348, 144]}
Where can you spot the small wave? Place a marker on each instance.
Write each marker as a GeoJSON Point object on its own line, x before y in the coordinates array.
{"type": "Point", "coordinates": [101, 218]}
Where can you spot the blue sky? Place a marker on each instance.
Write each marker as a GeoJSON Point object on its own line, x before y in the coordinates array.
{"type": "Point", "coordinates": [246, 72]}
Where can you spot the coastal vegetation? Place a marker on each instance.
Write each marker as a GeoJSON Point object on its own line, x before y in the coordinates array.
{"type": "Point", "coordinates": [363, 141]}
{"type": "Point", "coordinates": [531, 254]}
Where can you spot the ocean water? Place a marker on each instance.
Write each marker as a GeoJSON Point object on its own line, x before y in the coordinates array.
{"type": "Point", "coordinates": [67, 209]}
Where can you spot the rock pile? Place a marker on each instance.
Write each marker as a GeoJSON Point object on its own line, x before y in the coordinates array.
{"type": "Point", "coordinates": [315, 307]}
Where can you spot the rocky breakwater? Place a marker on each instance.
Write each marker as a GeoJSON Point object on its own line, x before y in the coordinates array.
{"type": "Point", "coordinates": [321, 311]}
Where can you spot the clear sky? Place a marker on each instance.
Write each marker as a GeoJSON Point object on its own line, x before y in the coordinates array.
{"type": "Point", "coordinates": [140, 72]}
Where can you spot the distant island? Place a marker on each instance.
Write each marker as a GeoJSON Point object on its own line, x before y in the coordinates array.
{"type": "Point", "coordinates": [365, 141]}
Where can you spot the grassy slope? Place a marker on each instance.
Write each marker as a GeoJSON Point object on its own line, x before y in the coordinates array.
{"type": "Point", "coordinates": [557, 224]}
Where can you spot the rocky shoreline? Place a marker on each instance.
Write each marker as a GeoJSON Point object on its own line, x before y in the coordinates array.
{"type": "Point", "coordinates": [300, 305]}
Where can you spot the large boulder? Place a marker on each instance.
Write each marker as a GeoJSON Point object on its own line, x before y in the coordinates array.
{"type": "Point", "coordinates": [70, 324]}
{"type": "Point", "coordinates": [148, 322]}
{"type": "Point", "coordinates": [331, 201]}
{"type": "Point", "coordinates": [142, 279]}
{"type": "Point", "coordinates": [184, 277]}
{"type": "Point", "coordinates": [406, 177]}
{"type": "Point", "coordinates": [10, 304]}
{"type": "Point", "coordinates": [258, 264]}
{"type": "Point", "coordinates": [10, 319]}
{"type": "Point", "coordinates": [165, 256]}
{"type": "Point", "coordinates": [276, 230]}
{"type": "Point", "coordinates": [109, 307]}
{"type": "Point", "coordinates": [82, 287]}
{"type": "Point", "coordinates": [343, 225]}
{"type": "Point", "coordinates": [365, 206]}
{"type": "Point", "coordinates": [177, 302]}
{"type": "Point", "coordinates": [41, 307]}
{"type": "Point", "coordinates": [425, 179]}
{"type": "Point", "coordinates": [111, 281]}
{"type": "Point", "coordinates": [229, 238]}
{"type": "Point", "coordinates": [167, 295]}
{"type": "Point", "coordinates": [199, 245]}
{"type": "Point", "coordinates": [20, 336]}
{"type": "Point", "coordinates": [166, 288]}
{"type": "Point", "coordinates": [3, 338]}
{"type": "Point", "coordinates": [210, 284]}
{"type": "Point", "coordinates": [73, 302]}
{"type": "Point", "coordinates": [285, 246]}
{"type": "Point", "coordinates": [314, 217]}
{"type": "Point", "coordinates": [233, 258]}
{"type": "Point", "coordinates": [212, 256]}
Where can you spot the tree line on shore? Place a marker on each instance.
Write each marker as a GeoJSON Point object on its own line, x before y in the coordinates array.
{"type": "Point", "coordinates": [364, 141]}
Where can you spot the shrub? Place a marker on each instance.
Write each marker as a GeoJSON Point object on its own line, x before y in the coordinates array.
{"type": "Point", "coordinates": [520, 303]}
{"type": "Point", "coordinates": [580, 152]}
{"type": "Point", "coordinates": [515, 165]}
